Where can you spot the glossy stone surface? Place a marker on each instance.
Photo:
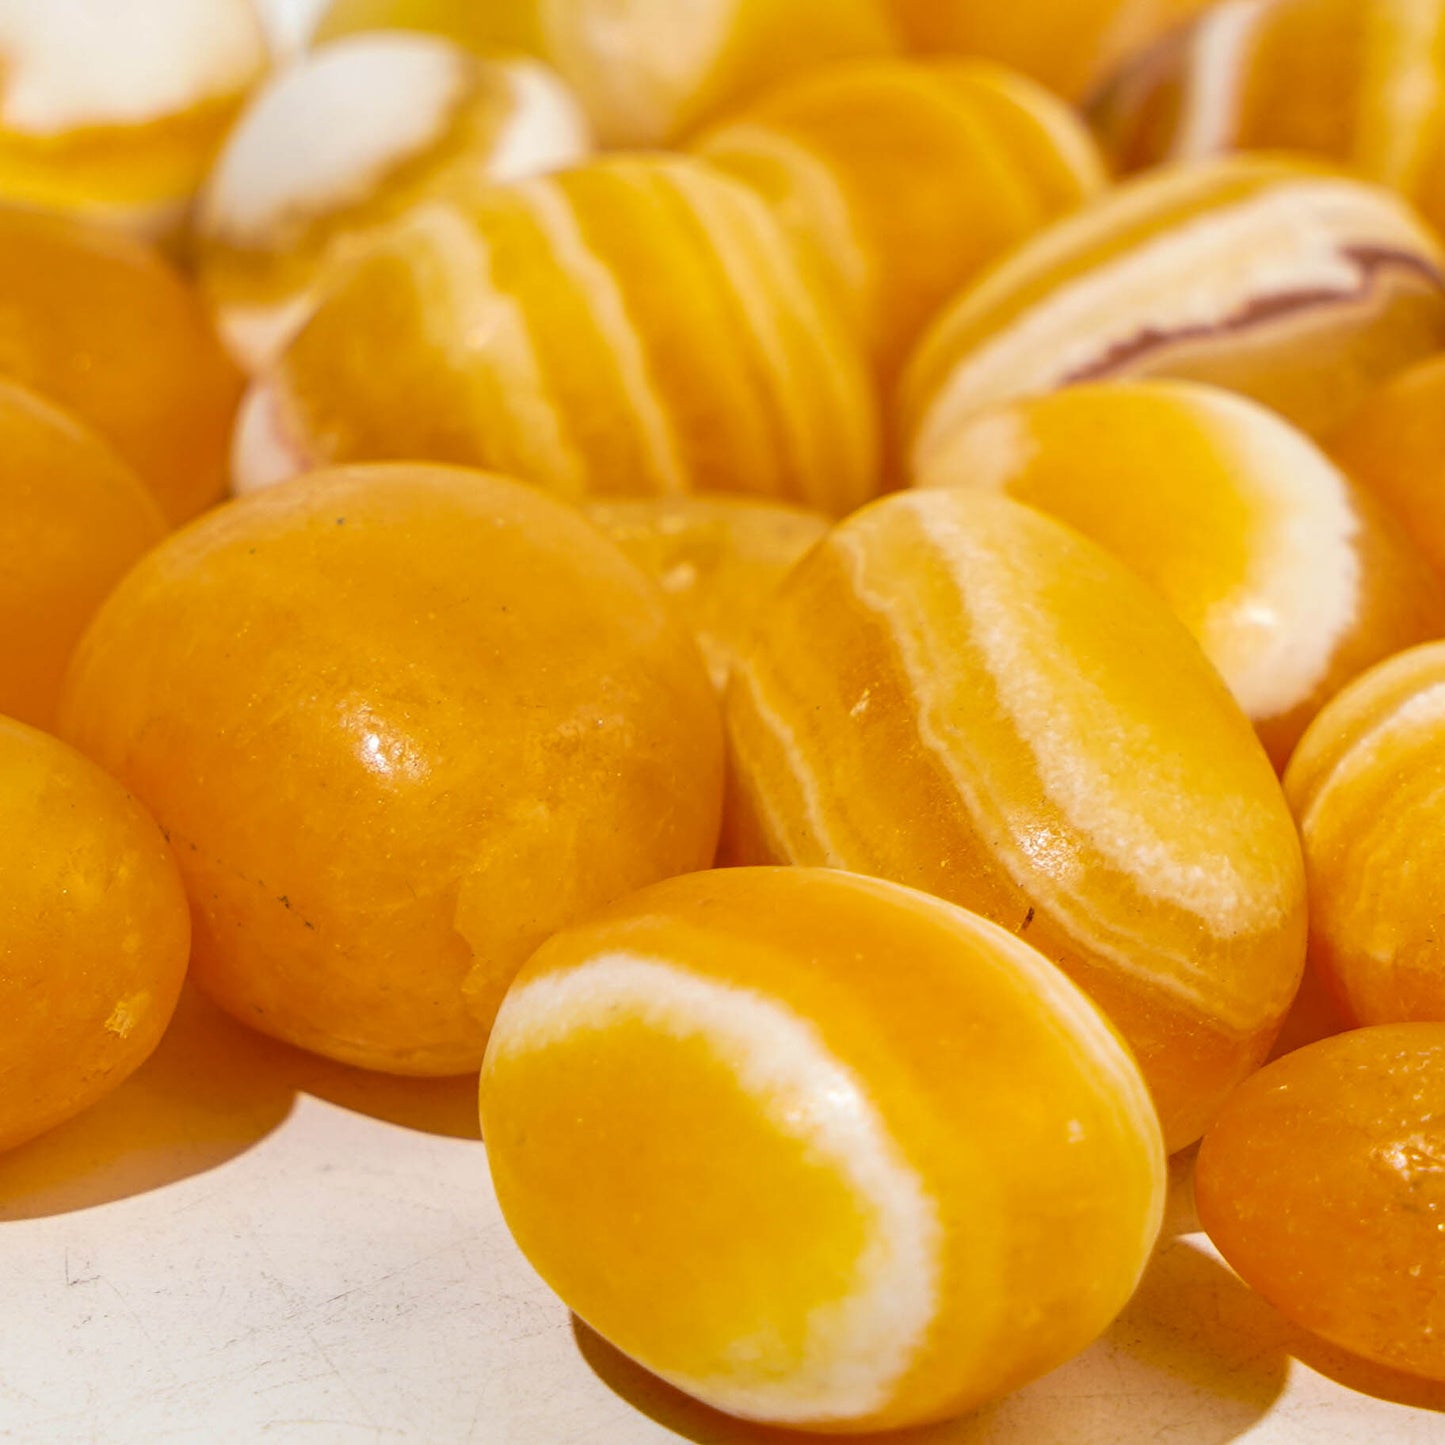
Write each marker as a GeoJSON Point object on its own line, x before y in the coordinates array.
{"type": "Point", "coordinates": [1069, 47]}
{"type": "Point", "coordinates": [1288, 283]}
{"type": "Point", "coordinates": [1394, 444]}
{"type": "Point", "coordinates": [648, 71]}
{"type": "Point", "coordinates": [1323, 1184]}
{"type": "Point", "coordinates": [1367, 786]}
{"type": "Point", "coordinates": [99, 323]}
{"type": "Point", "coordinates": [909, 177]}
{"type": "Point", "coordinates": [401, 724]}
{"type": "Point", "coordinates": [94, 933]}
{"type": "Point", "coordinates": [854, 1158]}
{"type": "Point", "coordinates": [342, 142]}
{"type": "Point", "coordinates": [629, 327]}
{"type": "Point", "coordinates": [1359, 82]}
{"type": "Point", "coordinates": [73, 519]}
{"type": "Point", "coordinates": [960, 694]}
{"type": "Point", "coordinates": [1292, 579]}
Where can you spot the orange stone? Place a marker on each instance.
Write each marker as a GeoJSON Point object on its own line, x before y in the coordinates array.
{"type": "Point", "coordinates": [93, 935]}
{"type": "Point", "coordinates": [1358, 82]}
{"type": "Point", "coordinates": [1322, 1185]}
{"type": "Point", "coordinates": [401, 723]}
{"type": "Point", "coordinates": [73, 519]}
{"type": "Point", "coordinates": [99, 323]}
{"type": "Point", "coordinates": [909, 177]}
{"type": "Point", "coordinates": [956, 692]}
{"type": "Point", "coordinates": [647, 72]}
{"type": "Point", "coordinates": [630, 327]}
{"type": "Point", "coordinates": [1292, 580]}
{"type": "Point", "coordinates": [818, 1149]}
{"type": "Point", "coordinates": [1365, 786]}
{"type": "Point", "coordinates": [1281, 280]}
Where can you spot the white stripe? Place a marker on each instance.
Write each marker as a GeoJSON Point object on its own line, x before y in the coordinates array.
{"type": "Point", "coordinates": [859, 1346]}
{"type": "Point", "coordinates": [1217, 59]}
{"type": "Point", "coordinates": [557, 220]}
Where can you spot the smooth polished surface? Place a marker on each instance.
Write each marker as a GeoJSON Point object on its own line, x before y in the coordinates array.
{"type": "Point", "coordinates": [1069, 46]}
{"type": "Point", "coordinates": [94, 933]}
{"type": "Point", "coordinates": [1359, 82]}
{"type": "Point", "coordinates": [103, 325]}
{"type": "Point", "coordinates": [648, 71]}
{"type": "Point", "coordinates": [1323, 1184]}
{"type": "Point", "coordinates": [630, 327]}
{"type": "Point", "coordinates": [401, 723]}
{"type": "Point", "coordinates": [73, 519]}
{"type": "Point", "coordinates": [909, 177]}
{"type": "Point", "coordinates": [961, 694]}
{"type": "Point", "coordinates": [1292, 579]}
{"type": "Point", "coordinates": [1285, 281]}
{"type": "Point", "coordinates": [1367, 786]}
{"type": "Point", "coordinates": [855, 1159]}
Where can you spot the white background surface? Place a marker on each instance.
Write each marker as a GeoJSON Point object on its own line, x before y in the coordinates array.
{"type": "Point", "coordinates": [245, 1244]}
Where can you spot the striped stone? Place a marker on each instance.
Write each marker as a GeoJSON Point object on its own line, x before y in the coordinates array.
{"type": "Point", "coordinates": [1290, 284]}
{"type": "Point", "coordinates": [960, 694]}
{"type": "Point", "coordinates": [628, 327]}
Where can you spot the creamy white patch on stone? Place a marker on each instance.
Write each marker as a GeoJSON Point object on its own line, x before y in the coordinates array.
{"type": "Point", "coordinates": [1217, 57]}
{"type": "Point", "coordinates": [547, 129]}
{"type": "Point", "coordinates": [69, 64]}
{"type": "Point", "coordinates": [263, 452]}
{"type": "Point", "coordinates": [325, 132]}
{"type": "Point", "coordinates": [858, 1346]}
{"type": "Point", "coordinates": [1290, 239]}
{"type": "Point", "coordinates": [1274, 640]}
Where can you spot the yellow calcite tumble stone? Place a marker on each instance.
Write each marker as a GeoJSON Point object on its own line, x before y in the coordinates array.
{"type": "Point", "coordinates": [719, 559]}
{"type": "Point", "coordinates": [963, 695]}
{"type": "Point", "coordinates": [112, 111]}
{"type": "Point", "coordinates": [1365, 786]}
{"type": "Point", "coordinates": [648, 71]}
{"type": "Point", "coordinates": [1394, 444]}
{"type": "Point", "coordinates": [401, 724]}
{"type": "Point", "coordinates": [73, 519]}
{"type": "Point", "coordinates": [1360, 82]}
{"type": "Point", "coordinates": [1291, 579]}
{"type": "Point", "coordinates": [99, 323]}
{"type": "Point", "coordinates": [1068, 46]}
{"type": "Point", "coordinates": [628, 327]}
{"type": "Point", "coordinates": [1321, 1184]}
{"type": "Point", "coordinates": [853, 1157]}
{"type": "Point", "coordinates": [94, 933]}
{"type": "Point", "coordinates": [909, 177]}
{"type": "Point", "coordinates": [1296, 286]}
{"type": "Point", "coordinates": [342, 142]}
